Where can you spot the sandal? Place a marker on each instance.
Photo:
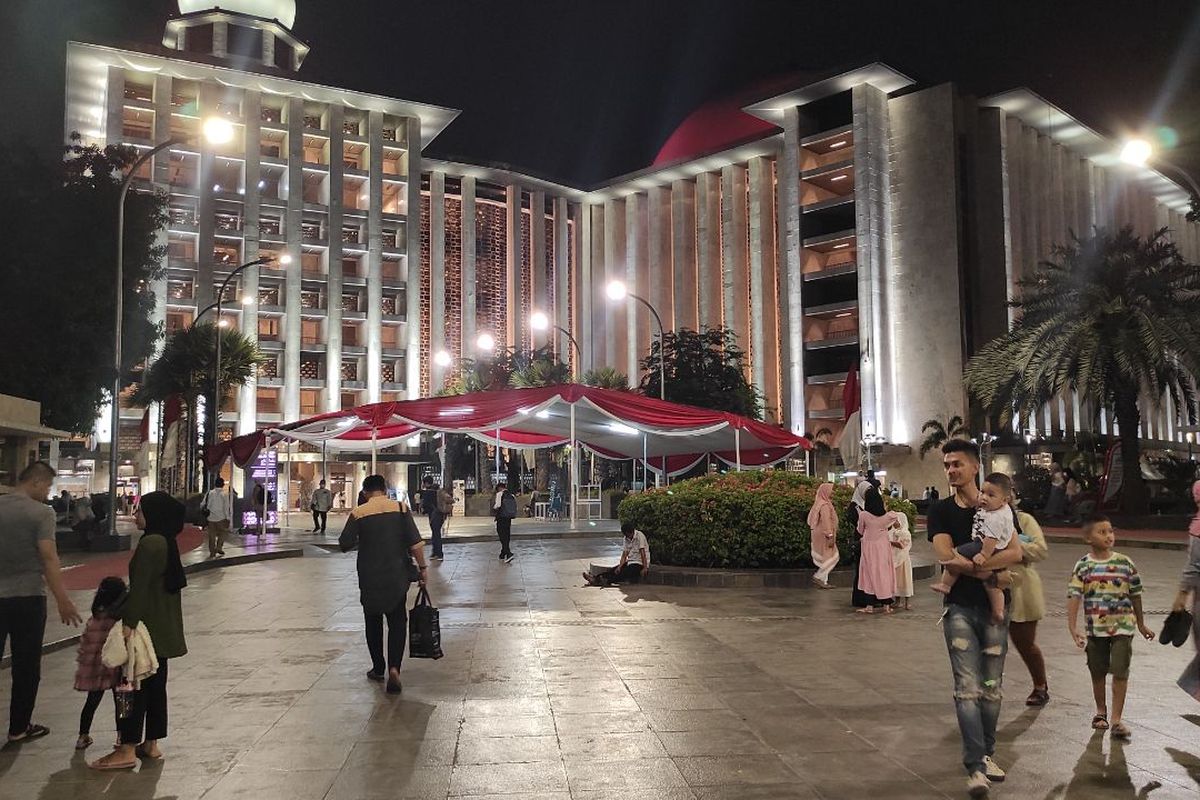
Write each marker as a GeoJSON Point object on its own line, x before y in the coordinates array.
{"type": "Point", "coordinates": [1120, 731]}
{"type": "Point", "coordinates": [32, 732]}
{"type": "Point", "coordinates": [1038, 697]}
{"type": "Point", "coordinates": [105, 764]}
{"type": "Point", "coordinates": [83, 742]}
{"type": "Point", "coordinates": [1100, 722]}
{"type": "Point", "coordinates": [141, 752]}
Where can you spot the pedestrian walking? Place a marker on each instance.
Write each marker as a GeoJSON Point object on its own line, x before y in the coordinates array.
{"type": "Point", "coordinates": [1189, 584]}
{"type": "Point", "coordinates": [434, 504]}
{"type": "Point", "coordinates": [822, 526]}
{"type": "Point", "coordinates": [387, 540]}
{"type": "Point", "coordinates": [1029, 606]}
{"type": "Point", "coordinates": [976, 646]}
{"type": "Point", "coordinates": [995, 528]}
{"type": "Point", "coordinates": [505, 511]}
{"type": "Point", "coordinates": [28, 566]}
{"type": "Point", "coordinates": [322, 501]}
{"type": "Point", "coordinates": [1107, 586]}
{"type": "Point", "coordinates": [156, 578]}
{"type": "Point", "coordinates": [216, 513]}
{"type": "Point", "coordinates": [877, 573]}
{"type": "Point", "coordinates": [91, 675]}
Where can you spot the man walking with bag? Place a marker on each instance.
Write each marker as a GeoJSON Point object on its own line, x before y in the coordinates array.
{"type": "Point", "coordinates": [505, 510]}
{"type": "Point", "coordinates": [386, 537]}
{"type": "Point", "coordinates": [216, 514]}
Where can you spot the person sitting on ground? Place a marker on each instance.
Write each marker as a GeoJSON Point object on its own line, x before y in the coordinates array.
{"type": "Point", "coordinates": [995, 527]}
{"type": "Point", "coordinates": [634, 563]}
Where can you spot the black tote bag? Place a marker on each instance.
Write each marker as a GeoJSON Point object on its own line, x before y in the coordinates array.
{"type": "Point", "coordinates": [424, 630]}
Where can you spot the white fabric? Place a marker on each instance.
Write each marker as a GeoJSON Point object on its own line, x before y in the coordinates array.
{"type": "Point", "coordinates": [135, 655]}
{"type": "Point", "coordinates": [322, 498]}
{"type": "Point", "coordinates": [860, 494]}
{"type": "Point", "coordinates": [996, 525]}
{"type": "Point", "coordinates": [632, 549]}
{"type": "Point", "coordinates": [217, 503]}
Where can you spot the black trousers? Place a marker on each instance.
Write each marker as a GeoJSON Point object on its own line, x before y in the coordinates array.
{"type": "Point", "coordinates": [436, 520]}
{"type": "Point", "coordinates": [23, 621]}
{"type": "Point", "coordinates": [630, 573]}
{"type": "Point", "coordinates": [89, 711]}
{"type": "Point", "coordinates": [397, 623]}
{"type": "Point", "coordinates": [319, 519]}
{"type": "Point", "coordinates": [504, 531]}
{"type": "Point", "coordinates": [149, 712]}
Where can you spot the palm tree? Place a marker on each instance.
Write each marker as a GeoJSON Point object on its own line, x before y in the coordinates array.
{"type": "Point", "coordinates": [938, 434]}
{"type": "Point", "coordinates": [542, 370]}
{"type": "Point", "coordinates": [1114, 318]}
{"type": "Point", "coordinates": [606, 378]}
{"type": "Point", "coordinates": [185, 367]}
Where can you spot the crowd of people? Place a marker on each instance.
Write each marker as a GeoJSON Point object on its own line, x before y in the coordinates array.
{"type": "Point", "coordinates": [987, 547]}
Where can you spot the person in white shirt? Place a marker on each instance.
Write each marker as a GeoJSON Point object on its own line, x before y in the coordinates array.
{"type": "Point", "coordinates": [634, 563]}
{"type": "Point", "coordinates": [216, 503]}
{"type": "Point", "coordinates": [322, 501]}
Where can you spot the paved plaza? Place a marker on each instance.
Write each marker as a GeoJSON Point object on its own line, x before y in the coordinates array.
{"type": "Point", "coordinates": [551, 691]}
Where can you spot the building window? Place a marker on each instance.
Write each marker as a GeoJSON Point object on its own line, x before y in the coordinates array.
{"type": "Point", "coordinates": [245, 42]}
{"type": "Point", "coordinates": [178, 320]}
{"type": "Point", "coordinates": [350, 301]}
{"type": "Point", "coordinates": [270, 225]}
{"type": "Point", "coordinates": [181, 248]}
{"type": "Point", "coordinates": [268, 296]}
{"type": "Point", "coordinates": [180, 289]}
{"type": "Point", "coordinates": [311, 263]}
{"type": "Point", "coordinates": [271, 114]}
{"type": "Point", "coordinates": [310, 332]}
{"type": "Point", "coordinates": [350, 268]}
{"type": "Point", "coordinates": [268, 400]}
{"type": "Point", "coordinates": [227, 221]}
{"type": "Point", "coordinates": [268, 329]}
{"type": "Point", "coordinates": [141, 92]}
{"type": "Point", "coordinates": [310, 299]}
{"type": "Point", "coordinates": [227, 253]}
{"type": "Point", "coordinates": [137, 124]}
{"type": "Point", "coordinates": [269, 368]}
{"type": "Point", "coordinates": [199, 39]}
{"type": "Point", "coordinates": [349, 399]}
{"type": "Point", "coordinates": [309, 398]}
{"type": "Point", "coordinates": [310, 368]}
{"type": "Point", "coordinates": [350, 335]}
{"type": "Point", "coordinates": [350, 369]}
{"type": "Point", "coordinates": [283, 54]}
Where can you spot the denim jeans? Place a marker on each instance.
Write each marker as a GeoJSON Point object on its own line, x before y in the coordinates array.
{"type": "Point", "coordinates": [977, 648]}
{"type": "Point", "coordinates": [436, 520]}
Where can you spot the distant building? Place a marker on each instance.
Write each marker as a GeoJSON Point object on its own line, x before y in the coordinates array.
{"type": "Point", "coordinates": [851, 221]}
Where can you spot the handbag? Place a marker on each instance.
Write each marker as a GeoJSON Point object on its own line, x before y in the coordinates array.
{"type": "Point", "coordinates": [1176, 628]}
{"type": "Point", "coordinates": [424, 630]}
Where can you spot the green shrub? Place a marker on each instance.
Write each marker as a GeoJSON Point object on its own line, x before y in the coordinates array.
{"type": "Point", "coordinates": [740, 520]}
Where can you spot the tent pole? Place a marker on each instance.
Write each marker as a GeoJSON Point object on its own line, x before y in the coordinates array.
{"type": "Point", "coordinates": [574, 468]}
{"type": "Point", "coordinates": [737, 443]}
{"type": "Point", "coordinates": [645, 466]}
{"type": "Point", "coordinates": [287, 511]}
{"type": "Point", "coordinates": [497, 450]}
{"type": "Point", "coordinates": [374, 451]}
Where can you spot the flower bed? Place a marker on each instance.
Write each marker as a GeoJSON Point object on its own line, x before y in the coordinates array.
{"type": "Point", "coordinates": [740, 520]}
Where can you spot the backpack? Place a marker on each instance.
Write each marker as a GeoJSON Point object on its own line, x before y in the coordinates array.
{"type": "Point", "coordinates": [445, 502]}
{"type": "Point", "coordinates": [508, 506]}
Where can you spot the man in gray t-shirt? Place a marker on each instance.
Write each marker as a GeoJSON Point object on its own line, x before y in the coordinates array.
{"type": "Point", "coordinates": [28, 564]}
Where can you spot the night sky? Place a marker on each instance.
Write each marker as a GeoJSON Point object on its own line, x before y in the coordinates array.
{"type": "Point", "coordinates": [581, 91]}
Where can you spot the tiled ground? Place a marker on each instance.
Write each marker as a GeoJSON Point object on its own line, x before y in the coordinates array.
{"type": "Point", "coordinates": [551, 691]}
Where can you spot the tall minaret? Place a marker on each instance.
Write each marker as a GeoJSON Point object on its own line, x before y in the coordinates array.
{"type": "Point", "coordinates": [247, 33]}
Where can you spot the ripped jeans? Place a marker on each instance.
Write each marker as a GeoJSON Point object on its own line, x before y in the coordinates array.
{"type": "Point", "coordinates": [977, 649]}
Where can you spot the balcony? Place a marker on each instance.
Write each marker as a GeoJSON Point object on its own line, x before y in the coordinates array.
{"type": "Point", "coordinates": [826, 378]}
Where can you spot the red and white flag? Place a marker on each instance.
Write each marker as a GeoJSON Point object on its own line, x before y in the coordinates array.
{"type": "Point", "coordinates": [172, 415]}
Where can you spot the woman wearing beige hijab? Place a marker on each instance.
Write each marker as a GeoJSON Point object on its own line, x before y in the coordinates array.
{"type": "Point", "coordinates": [823, 522]}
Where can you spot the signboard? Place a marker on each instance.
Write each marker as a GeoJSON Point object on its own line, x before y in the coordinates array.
{"type": "Point", "coordinates": [264, 470]}
{"type": "Point", "coordinates": [459, 491]}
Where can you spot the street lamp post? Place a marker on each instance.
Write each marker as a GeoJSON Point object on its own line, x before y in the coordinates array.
{"type": "Point", "coordinates": [618, 291]}
{"type": "Point", "coordinates": [540, 322]}
{"type": "Point", "coordinates": [217, 131]}
{"type": "Point", "coordinates": [1140, 152]}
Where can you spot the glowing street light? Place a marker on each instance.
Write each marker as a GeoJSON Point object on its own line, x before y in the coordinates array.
{"type": "Point", "coordinates": [442, 358]}
{"type": "Point", "coordinates": [539, 321]}
{"type": "Point", "coordinates": [486, 342]}
{"type": "Point", "coordinates": [1140, 153]}
{"type": "Point", "coordinates": [617, 291]}
{"type": "Point", "coordinates": [218, 130]}
{"type": "Point", "coordinates": [1137, 152]}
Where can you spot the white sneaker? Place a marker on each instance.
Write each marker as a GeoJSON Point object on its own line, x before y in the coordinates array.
{"type": "Point", "coordinates": [977, 785]}
{"type": "Point", "coordinates": [992, 770]}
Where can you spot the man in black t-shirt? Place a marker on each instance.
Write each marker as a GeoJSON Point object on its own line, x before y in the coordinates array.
{"type": "Point", "coordinates": [976, 645]}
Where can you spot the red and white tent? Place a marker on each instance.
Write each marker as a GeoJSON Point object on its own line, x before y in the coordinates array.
{"type": "Point", "coordinates": [614, 424]}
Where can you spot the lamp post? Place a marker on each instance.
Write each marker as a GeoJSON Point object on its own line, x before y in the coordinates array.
{"type": "Point", "coordinates": [540, 322]}
{"type": "Point", "coordinates": [217, 131]}
{"type": "Point", "coordinates": [1140, 152]}
{"type": "Point", "coordinates": [618, 291]}
{"type": "Point", "coordinates": [216, 416]}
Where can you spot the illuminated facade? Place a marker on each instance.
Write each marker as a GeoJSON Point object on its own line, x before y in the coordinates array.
{"type": "Point", "coordinates": [852, 222]}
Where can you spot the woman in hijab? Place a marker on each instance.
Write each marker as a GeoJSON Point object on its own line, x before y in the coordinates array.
{"type": "Point", "coordinates": [858, 502]}
{"type": "Point", "coordinates": [876, 572]}
{"type": "Point", "coordinates": [155, 579]}
{"type": "Point", "coordinates": [822, 523]}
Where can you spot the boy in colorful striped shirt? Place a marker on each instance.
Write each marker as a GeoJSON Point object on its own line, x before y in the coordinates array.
{"type": "Point", "coordinates": [1108, 587]}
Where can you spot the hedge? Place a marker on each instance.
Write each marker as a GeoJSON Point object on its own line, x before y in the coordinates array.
{"type": "Point", "coordinates": [740, 520]}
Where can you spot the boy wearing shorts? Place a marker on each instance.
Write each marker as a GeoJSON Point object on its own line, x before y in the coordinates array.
{"type": "Point", "coordinates": [1107, 585]}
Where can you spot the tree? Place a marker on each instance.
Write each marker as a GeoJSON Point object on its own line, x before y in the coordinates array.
{"type": "Point", "coordinates": [938, 434]}
{"type": "Point", "coordinates": [606, 378]}
{"type": "Point", "coordinates": [57, 310]}
{"type": "Point", "coordinates": [542, 370]}
{"type": "Point", "coordinates": [705, 369]}
{"type": "Point", "coordinates": [185, 367]}
{"type": "Point", "coordinates": [1114, 318]}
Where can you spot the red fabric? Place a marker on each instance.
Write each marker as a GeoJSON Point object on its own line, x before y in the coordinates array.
{"type": "Point", "coordinates": [144, 428]}
{"type": "Point", "coordinates": [851, 396]}
{"type": "Point", "coordinates": [243, 448]}
{"type": "Point", "coordinates": [172, 410]}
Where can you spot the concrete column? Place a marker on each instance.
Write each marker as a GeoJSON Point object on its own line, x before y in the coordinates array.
{"type": "Point", "coordinates": [290, 400]}
{"type": "Point", "coordinates": [114, 106]}
{"type": "Point", "coordinates": [684, 307]}
{"type": "Point", "coordinates": [588, 330]}
{"type": "Point", "coordinates": [790, 252]}
{"type": "Point", "coordinates": [872, 211]}
{"type": "Point", "coordinates": [734, 235]}
{"type": "Point", "coordinates": [333, 283]}
{"type": "Point", "coordinates": [637, 277]}
{"type": "Point", "coordinates": [374, 330]}
{"type": "Point", "coordinates": [659, 272]}
{"type": "Point", "coordinates": [541, 300]}
{"type": "Point", "coordinates": [764, 323]}
{"type": "Point", "coordinates": [708, 248]}
{"type": "Point", "coordinates": [220, 39]}
{"type": "Point", "coordinates": [210, 94]}
{"type": "Point", "coordinates": [437, 277]}
{"type": "Point", "coordinates": [615, 314]}
{"type": "Point", "coordinates": [268, 49]}
{"type": "Point", "coordinates": [514, 324]}
{"type": "Point", "coordinates": [247, 395]}
{"type": "Point", "coordinates": [470, 308]}
{"type": "Point", "coordinates": [412, 224]}
{"type": "Point", "coordinates": [562, 282]}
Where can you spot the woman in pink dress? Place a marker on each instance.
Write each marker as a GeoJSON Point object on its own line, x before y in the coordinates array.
{"type": "Point", "coordinates": [822, 523]}
{"type": "Point", "coordinates": [876, 573]}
